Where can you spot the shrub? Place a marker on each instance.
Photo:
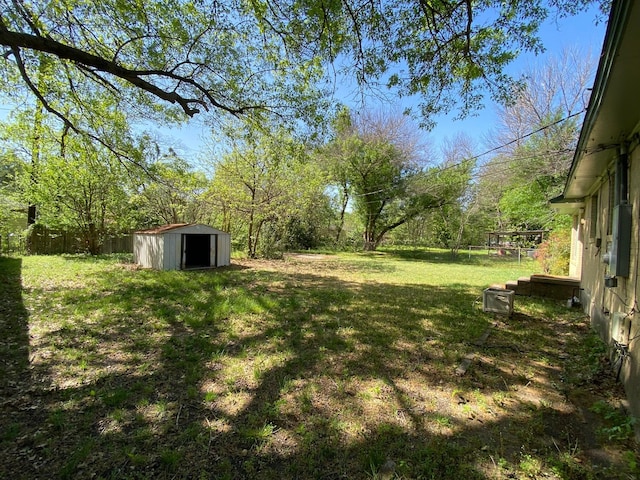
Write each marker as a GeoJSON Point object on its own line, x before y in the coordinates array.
{"type": "Point", "coordinates": [554, 254]}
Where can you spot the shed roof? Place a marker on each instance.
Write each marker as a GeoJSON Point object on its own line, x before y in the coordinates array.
{"type": "Point", "coordinates": [197, 228]}
{"type": "Point", "coordinates": [164, 228]}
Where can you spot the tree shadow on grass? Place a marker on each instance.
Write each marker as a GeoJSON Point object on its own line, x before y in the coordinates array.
{"type": "Point", "coordinates": [14, 332]}
{"type": "Point", "coordinates": [241, 374]}
{"type": "Point", "coordinates": [19, 399]}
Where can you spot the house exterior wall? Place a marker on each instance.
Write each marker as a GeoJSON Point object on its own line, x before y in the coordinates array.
{"type": "Point", "coordinates": [148, 250]}
{"type": "Point", "coordinates": [577, 246]}
{"type": "Point", "coordinates": [603, 304]}
{"type": "Point", "coordinates": [630, 373]}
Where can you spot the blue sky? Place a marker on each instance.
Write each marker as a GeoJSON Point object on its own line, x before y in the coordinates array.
{"type": "Point", "coordinates": [580, 32]}
{"type": "Point", "coordinates": [576, 32]}
{"type": "Point", "coordinates": [557, 34]}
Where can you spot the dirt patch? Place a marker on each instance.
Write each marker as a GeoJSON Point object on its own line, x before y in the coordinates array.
{"type": "Point", "coordinates": [307, 256]}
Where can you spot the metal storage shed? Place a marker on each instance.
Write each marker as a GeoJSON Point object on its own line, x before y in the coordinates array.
{"type": "Point", "coordinates": [182, 246]}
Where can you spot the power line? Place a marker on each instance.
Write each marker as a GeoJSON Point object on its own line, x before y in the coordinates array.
{"type": "Point", "coordinates": [382, 188]}
{"type": "Point", "coordinates": [515, 140]}
{"type": "Point", "coordinates": [506, 163]}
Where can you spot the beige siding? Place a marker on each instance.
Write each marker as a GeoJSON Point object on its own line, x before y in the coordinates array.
{"type": "Point", "coordinates": [224, 250]}
{"type": "Point", "coordinates": [631, 369]}
{"type": "Point", "coordinates": [577, 246]}
{"type": "Point", "coordinates": [602, 303]}
{"type": "Point", "coordinates": [593, 268]}
{"type": "Point", "coordinates": [172, 245]}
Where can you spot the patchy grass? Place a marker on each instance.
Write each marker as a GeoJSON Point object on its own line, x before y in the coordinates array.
{"type": "Point", "coordinates": [316, 366]}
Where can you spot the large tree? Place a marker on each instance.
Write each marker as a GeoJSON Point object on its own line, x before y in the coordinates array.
{"type": "Point", "coordinates": [50, 150]}
{"type": "Point", "coordinates": [83, 190]}
{"type": "Point", "coordinates": [378, 166]}
{"type": "Point", "coordinates": [239, 56]}
{"type": "Point", "coordinates": [195, 55]}
{"type": "Point", "coordinates": [263, 183]}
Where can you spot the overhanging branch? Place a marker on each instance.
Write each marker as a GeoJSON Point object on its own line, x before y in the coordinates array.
{"type": "Point", "coordinates": [89, 61]}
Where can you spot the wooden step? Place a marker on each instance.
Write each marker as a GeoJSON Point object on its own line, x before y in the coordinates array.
{"type": "Point", "coordinates": [547, 286]}
{"type": "Point", "coordinates": [519, 286]}
{"type": "Point", "coordinates": [550, 286]}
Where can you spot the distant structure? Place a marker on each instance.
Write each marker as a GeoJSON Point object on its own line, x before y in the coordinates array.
{"type": "Point", "coordinates": [182, 246]}
{"type": "Point", "coordinates": [504, 243]}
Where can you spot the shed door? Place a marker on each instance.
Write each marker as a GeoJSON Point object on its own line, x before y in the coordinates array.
{"type": "Point", "coordinates": [196, 250]}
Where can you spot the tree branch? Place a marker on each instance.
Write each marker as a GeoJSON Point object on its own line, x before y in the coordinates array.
{"type": "Point", "coordinates": [89, 61]}
{"type": "Point", "coordinates": [26, 15]}
{"type": "Point", "coordinates": [468, 28]}
{"type": "Point", "coordinates": [25, 76]}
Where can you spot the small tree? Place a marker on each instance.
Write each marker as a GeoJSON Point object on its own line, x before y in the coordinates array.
{"type": "Point", "coordinates": [83, 190]}
{"type": "Point", "coordinates": [264, 182]}
{"type": "Point", "coordinates": [554, 254]}
{"type": "Point", "coordinates": [172, 193]}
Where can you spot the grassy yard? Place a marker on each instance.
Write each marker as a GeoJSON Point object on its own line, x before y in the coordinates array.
{"type": "Point", "coordinates": [313, 367]}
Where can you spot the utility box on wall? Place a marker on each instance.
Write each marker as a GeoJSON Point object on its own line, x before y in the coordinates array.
{"type": "Point", "coordinates": [620, 254]}
{"type": "Point", "coordinates": [619, 327]}
{"type": "Point", "coordinates": [498, 300]}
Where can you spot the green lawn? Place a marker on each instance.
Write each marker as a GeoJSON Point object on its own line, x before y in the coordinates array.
{"type": "Point", "coordinates": [316, 366]}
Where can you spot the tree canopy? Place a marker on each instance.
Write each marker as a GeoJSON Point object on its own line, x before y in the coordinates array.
{"type": "Point", "coordinates": [266, 183]}
{"type": "Point", "coordinates": [376, 164]}
{"type": "Point", "coordinates": [180, 57]}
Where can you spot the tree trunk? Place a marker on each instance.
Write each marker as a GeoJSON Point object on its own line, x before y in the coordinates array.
{"type": "Point", "coordinates": [370, 243]}
{"type": "Point", "coordinates": [343, 209]}
{"type": "Point", "coordinates": [93, 243]}
{"type": "Point", "coordinates": [256, 238]}
{"type": "Point", "coordinates": [250, 249]}
{"type": "Point", "coordinates": [251, 242]}
{"type": "Point", "coordinates": [32, 210]}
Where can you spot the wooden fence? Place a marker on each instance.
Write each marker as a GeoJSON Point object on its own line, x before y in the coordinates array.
{"type": "Point", "coordinates": [44, 241]}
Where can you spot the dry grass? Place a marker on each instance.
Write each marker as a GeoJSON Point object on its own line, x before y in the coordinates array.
{"type": "Point", "coordinates": [310, 367]}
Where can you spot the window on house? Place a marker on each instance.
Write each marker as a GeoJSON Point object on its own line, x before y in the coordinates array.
{"type": "Point", "coordinates": [593, 217]}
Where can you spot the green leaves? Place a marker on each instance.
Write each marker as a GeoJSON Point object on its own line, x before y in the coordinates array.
{"type": "Point", "coordinates": [174, 193]}
{"type": "Point", "coordinates": [269, 55]}
{"type": "Point", "coordinates": [375, 166]}
{"type": "Point", "coordinates": [12, 217]}
{"type": "Point", "coordinates": [84, 187]}
{"type": "Point", "coordinates": [262, 185]}
{"type": "Point", "coordinates": [526, 207]}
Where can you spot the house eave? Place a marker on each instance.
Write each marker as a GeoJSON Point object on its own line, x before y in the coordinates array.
{"type": "Point", "coordinates": [611, 116]}
{"type": "Point", "coordinates": [569, 206]}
